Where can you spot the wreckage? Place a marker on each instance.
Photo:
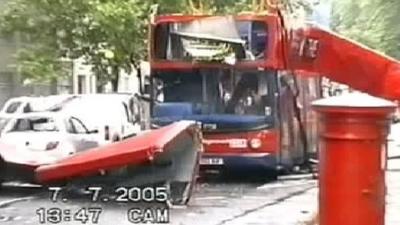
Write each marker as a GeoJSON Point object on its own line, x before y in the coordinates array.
{"type": "Point", "coordinates": [167, 157]}
{"type": "Point", "coordinates": [250, 79]}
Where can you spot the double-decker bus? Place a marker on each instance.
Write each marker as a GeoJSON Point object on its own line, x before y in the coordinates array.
{"type": "Point", "coordinates": [226, 73]}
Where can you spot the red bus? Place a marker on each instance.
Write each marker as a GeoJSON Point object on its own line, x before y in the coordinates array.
{"type": "Point", "coordinates": [226, 73]}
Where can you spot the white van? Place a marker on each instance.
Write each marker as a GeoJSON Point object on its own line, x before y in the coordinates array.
{"type": "Point", "coordinates": [115, 116]}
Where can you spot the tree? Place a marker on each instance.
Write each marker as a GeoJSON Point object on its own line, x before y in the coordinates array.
{"type": "Point", "coordinates": [371, 22]}
{"type": "Point", "coordinates": [203, 6]}
{"type": "Point", "coordinates": [108, 34]}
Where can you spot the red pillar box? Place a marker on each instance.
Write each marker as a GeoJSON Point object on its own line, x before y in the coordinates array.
{"type": "Point", "coordinates": [353, 131]}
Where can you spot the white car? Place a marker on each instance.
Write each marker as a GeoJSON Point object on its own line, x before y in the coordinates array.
{"type": "Point", "coordinates": [43, 138]}
{"type": "Point", "coordinates": [21, 105]}
{"type": "Point", "coordinates": [17, 105]}
{"type": "Point", "coordinates": [116, 116]}
{"type": "Point", "coordinates": [24, 104]}
{"type": "Point", "coordinates": [4, 119]}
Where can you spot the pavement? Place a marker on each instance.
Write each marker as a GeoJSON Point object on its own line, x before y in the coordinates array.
{"type": "Point", "coordinates": [297, 209]}
{"type": "Point", "coordinates": [309, 200]}
{"type": "Point", "coordinates": [302, 208]}
{"type": "Point", "coordinates": [393, 177]}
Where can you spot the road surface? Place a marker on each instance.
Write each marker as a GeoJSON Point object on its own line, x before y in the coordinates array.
{"type": "Point", "coordinates": [214, 203]}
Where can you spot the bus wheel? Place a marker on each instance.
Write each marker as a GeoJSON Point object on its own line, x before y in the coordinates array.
{"type": "Point", "coordinates": [272, 175]}
{"type": "Point", "coordinates": [253, 176]}
{"type": "Point", "coordinates": [265, 176]}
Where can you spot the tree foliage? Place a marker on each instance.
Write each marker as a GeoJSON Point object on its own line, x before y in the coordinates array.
{"type": "Point", "coordinates": [105, 33]}
{"type": "Point", "coordinates": [372, 22]}
{"type": "Point", "coordinates": [112, 33]}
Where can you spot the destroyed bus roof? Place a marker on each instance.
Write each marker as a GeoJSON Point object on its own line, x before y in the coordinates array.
{"type": "Point", "coordinates": [203, 37]}
{"type": "Point", "coordinates": [209, 28]}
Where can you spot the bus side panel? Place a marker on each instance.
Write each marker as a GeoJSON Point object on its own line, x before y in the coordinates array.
{"type": "Point", "coordinates": [310, 90]}
{"type": "Point", "coordinates": [288, 125]}
{"type": "Point", "coordinates": [292, 125]}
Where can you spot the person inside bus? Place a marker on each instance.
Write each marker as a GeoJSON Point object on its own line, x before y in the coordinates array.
{"type": "Point", "coordinates": [244, 99]}
{"type": "Point", "coordinates": [224, 87]}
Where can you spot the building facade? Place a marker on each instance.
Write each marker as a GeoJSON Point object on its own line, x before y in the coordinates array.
{"type": "Point", "coordinates": [11, 83]}
{"type": "Point", "coordinates": [81, 79]}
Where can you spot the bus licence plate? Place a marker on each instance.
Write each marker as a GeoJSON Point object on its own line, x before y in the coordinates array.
{"type": "Point", "coordinates": [238, 143]}
{"type": "Point", "coordinates": [211, 161]}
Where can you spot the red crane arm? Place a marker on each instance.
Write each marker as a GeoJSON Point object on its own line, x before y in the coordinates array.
{"type": "Point", "coordinates": [314, 50]}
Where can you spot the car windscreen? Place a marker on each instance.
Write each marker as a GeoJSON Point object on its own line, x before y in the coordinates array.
{"type": "Point", "coordinates": [220, 91]}
{"type": "Point", "coordinates": [13, 107]}
{"type": "Point", "coordinates": [44, 124]}
{"type": "Point", "coordinates": [227, 99]}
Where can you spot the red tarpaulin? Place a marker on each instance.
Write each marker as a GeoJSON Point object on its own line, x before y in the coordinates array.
{"type": "Point", "coordinates": [133, 151]}
{"type": "Point", "coordinates": [321, 52]}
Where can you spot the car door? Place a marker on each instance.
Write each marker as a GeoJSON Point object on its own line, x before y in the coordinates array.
{"type": "Point", "coordinates": [5, 124]}
{"type": "Point", "coordinates": [80, 136]}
